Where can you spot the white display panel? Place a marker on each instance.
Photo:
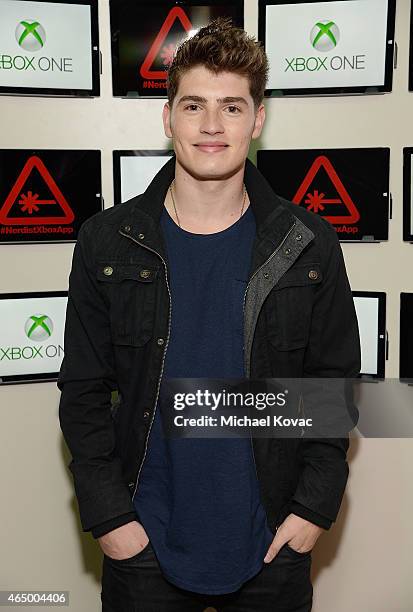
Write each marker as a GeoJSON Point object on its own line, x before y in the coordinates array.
{"type": "Point", "coordinates": [45, 45]}
{"type": "Point", "coordinates": [134, 170]}
{"type": "Point", "coordinates": [326, 44]}
{"type": "Point", "coordinates": [31, 336]}
{"type": "Point", "coordinates": [367, 310]}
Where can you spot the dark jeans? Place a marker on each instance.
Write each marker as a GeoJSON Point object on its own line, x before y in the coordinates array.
{"type": "Point", "coordinates": [137, 585]}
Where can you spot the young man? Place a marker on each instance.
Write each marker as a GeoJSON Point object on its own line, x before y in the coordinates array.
{"type": "Point", "coordinates": [208, 274]}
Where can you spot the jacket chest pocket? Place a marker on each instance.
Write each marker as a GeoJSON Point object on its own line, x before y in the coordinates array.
{"type": "Point", "coordinates": [131, 293]}
{"type": "Point", "coordinates": [289, 307]}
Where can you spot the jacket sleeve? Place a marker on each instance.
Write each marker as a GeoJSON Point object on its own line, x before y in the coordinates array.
{"type": "Point", "coordinates": [333, 351]}
{"type": "Point", "coordinates": [86, 380]}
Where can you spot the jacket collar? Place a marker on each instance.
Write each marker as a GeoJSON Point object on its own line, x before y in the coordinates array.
{"type": "Point", "coordinates": [272, 218]}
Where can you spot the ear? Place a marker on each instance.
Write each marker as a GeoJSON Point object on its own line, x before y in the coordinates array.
{"type": "Point", "coordinates": [259, 122]}
{"type": "Point", "coordinates": [166, 117]}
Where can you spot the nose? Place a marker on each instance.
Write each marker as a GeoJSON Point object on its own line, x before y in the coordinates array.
{"type": "Point", "coordinates": [211, 122]}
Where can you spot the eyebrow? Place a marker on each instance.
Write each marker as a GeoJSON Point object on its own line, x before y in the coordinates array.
{"type": "Point", "coordinates": [226, 100]}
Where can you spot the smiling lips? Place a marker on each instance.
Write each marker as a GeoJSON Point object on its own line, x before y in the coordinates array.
{"type": "Point", "coordinates": [211, 147]}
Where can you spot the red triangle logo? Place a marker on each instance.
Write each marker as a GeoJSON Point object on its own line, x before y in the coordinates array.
{"type": "Point", "coordinates": [30, 201]}
{"type": "Point", "coordinates": [317, 200]}
{"type": "Point", "coordinates": [175, 13]}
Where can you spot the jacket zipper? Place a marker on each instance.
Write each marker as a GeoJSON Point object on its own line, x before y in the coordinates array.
{"type": "Point", "coordinates": [164, 354]}
{"type": "Point", "coordinates": [243, 310]}
{"type": "Point", "coordinates": [169, 329]}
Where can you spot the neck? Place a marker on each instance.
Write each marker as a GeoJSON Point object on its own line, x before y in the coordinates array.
{"type": "Point", "coordinates": [206, 206]}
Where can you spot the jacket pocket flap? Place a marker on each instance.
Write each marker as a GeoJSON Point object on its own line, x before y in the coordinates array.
{"type": "Point", "coordinates": [303, 274]}
{"type": "Point", "coordinates": [115, 272]}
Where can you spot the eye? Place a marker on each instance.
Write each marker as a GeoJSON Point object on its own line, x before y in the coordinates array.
{"type": "Point", "coordinates": [234, 109]}
{"type": "Point", "coordinates": [191, 106]}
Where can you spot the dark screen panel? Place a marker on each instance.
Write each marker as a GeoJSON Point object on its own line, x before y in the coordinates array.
{"type": "Point", "coordinates": [348, 187]}
{"type": "Point", "coordinates": [145, 34]}
{"type": "Point", "coordinates": [407, 194]}
{"type": "Point", "coordinates": [46, 195]}
{"type": "Point", "coordinates": [406, 338]}
{"type": "Point", "coordinates": [411, 50]}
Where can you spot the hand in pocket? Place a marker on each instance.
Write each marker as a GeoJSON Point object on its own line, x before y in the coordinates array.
{"type": "Point", "coordinates": [125, 541]}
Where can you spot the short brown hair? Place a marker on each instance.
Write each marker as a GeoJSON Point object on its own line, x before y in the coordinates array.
{"type": "Point", "coordinates": [220, 46]}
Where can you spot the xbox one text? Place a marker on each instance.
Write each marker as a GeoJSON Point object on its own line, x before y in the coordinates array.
{"type": "Point", "coordinates": [45, 64]}
{"type": "Point", "coordinates": [30, 352]}
{"type": "Point", "coordinates": [337, 62]}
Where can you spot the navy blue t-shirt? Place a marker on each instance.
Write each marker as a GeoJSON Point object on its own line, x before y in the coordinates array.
{"type": "Point", "coordinates": [198, 498]}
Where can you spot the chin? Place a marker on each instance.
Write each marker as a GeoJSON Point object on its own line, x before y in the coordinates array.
{"type": "Point", "coordinates": [212, 171]}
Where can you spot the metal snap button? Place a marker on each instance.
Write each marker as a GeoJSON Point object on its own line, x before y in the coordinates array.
{"type": "Point", "coordinates": [127, 228]}
{"type": "Point", "coordinates": [141, 236]}
{"type": "Point", "coordinates": [144, 273]}
{"type": "Point", "coordinates": [298, 237]}
{"type": "Point", "coordinates": [287, 251]}
{"type": "Point", "coordinates": [265, 275]}
{"type": "Point", "coordinates": [160, 341]}
{"type": "Point", "coordinates": [107, 270]}
{"type": "Point", "coordinates": [313, 274]}
{"type": "Point", "coordinates": [146, 414]}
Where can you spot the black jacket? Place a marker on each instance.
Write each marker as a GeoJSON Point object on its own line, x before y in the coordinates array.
{"type": "Point", "coordinates": [299, 321]}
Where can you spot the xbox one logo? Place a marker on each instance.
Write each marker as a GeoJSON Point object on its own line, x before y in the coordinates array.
{"type": "Point", "coordinates": [325, 36]}
{"type": "Point", "coordinates": [30, 35]}
{"type": "Point", "coordinates": [38, 327]}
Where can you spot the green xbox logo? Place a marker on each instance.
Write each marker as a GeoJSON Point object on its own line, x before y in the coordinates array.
{"type": "Point", "coordinates": [38, 327]}
{"type": "Point", "coordinates": [30, 35]}
{"type": "Point", "coordinates": [324, 36]}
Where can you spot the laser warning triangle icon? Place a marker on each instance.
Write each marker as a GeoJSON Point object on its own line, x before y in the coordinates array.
{"type": "Point", "coordinates": [30, 202]}
{"type": "Point", "coordinates": [317, 200]}
{"type": "Point", "coordinates": [175, 14]}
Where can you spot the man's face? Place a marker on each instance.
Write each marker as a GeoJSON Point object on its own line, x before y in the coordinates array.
{"type": "Point", "coordinates": [212, 122]}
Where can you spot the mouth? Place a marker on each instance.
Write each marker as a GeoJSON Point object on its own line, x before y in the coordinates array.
{"type": "Point", "coordinates": [211, 147]}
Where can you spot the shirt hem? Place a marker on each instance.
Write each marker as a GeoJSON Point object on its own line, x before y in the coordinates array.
{"type": "Point", "coordinates": [215, 591]}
